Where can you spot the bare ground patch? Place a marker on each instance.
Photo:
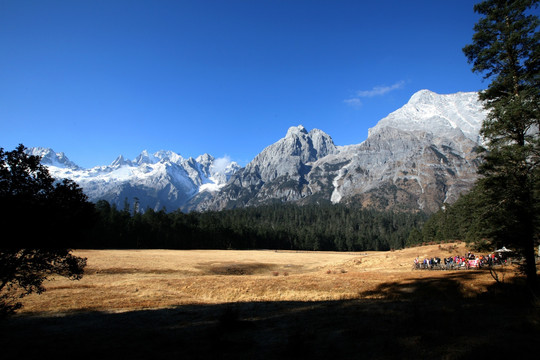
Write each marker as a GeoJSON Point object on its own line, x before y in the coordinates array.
{"type": "Point", "coordinates": [234, 268]}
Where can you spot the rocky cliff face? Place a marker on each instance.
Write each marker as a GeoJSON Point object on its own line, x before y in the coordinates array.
{"type": "Point", "coordinates": [277, 174]}
{"type": "Point", "coordinates": [406, 170]}
{"type": "Point", "coordinates": [418, 158]}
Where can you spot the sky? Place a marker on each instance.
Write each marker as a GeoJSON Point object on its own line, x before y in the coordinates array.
{"type": "Point", "coordinates": [100, 78]}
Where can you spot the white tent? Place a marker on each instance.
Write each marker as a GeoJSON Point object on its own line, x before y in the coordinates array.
{"type": "Point", "coordinates": [503, 250]}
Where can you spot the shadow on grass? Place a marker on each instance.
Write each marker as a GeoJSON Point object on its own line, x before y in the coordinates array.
{"type": "Point", "coordinates": [426, 318]}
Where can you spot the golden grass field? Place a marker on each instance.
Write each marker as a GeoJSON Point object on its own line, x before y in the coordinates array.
{"type": "Point", "coordinates": [199, 304]}
{"type": "Point", "coordinates": [121, 280]}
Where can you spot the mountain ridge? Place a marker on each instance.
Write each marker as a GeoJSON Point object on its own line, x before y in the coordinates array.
{"type": "Point", "coordinates": [160, 180]}
{"type": "Point", "coordinates": [417, 158]}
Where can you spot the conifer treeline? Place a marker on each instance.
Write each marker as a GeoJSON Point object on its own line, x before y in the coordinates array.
{"type": "Point", "coordinates": [283, 226]}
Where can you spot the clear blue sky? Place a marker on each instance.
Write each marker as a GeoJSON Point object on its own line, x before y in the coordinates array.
{"type": "Point", "coordinates": [99, 78]}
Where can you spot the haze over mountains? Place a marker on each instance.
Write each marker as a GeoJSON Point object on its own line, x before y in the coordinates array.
{"type": "Point", "coordinates": [417, 158]}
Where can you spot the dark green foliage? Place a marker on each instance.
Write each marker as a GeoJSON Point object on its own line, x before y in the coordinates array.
{"type": "Point", "coordinates": [279, 226]}
{"type": "Point", "coordinates": [463, 220]}
{"type": "Point", "coordinates": [40, 218]}
{"type": "Point", "coordinates": [506, 50]}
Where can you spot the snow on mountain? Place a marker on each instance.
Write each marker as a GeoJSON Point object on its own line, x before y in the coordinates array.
{"type": "Point", "coordinates": [444, 115]}
{"type": "Point", "coordinates": [51, 158]}
{"type": "Point", "coordinates": [163, 179]}
{"type": "Point", "coordinates": [421, 155]}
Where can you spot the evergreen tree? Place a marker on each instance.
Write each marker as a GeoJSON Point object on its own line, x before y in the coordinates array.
{"type": "Point", "coordinates": [506, 51]}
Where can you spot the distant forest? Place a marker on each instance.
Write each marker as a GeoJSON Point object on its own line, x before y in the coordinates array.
{"type": "Point", "coordinates": [281, 226]}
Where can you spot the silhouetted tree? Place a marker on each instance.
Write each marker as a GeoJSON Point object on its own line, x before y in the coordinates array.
{"type": "Point", "coordinates": [506, 50]}
{"type": "Point", "coordinates": [41, 220]}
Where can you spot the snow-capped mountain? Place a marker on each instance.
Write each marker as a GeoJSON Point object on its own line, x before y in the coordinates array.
{"type": "Point", "coordinates": [418, 157]}
{"type": "Point", "coordinates": [53, 159]}
{"type": "Point", "coordinates": [160, 180]}
{"type": "Point", "coordinates": [446, 115]}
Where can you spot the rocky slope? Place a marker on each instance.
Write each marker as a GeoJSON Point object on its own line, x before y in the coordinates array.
{"type": "Point", "coordinates": [418, 157]}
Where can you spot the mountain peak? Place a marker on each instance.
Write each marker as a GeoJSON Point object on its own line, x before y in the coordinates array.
{"type": "Point", "coordinates": [205, 158]}
{"type": "Point", "coordinates": [119, 161]}
{"type": "Point", "coordinates": [146, 158]}
{"type": "Point", "coordinates": [168, 155]}
{"type": "Point", "coordinates": [439, 114]}
{"type": "Point", "coordinates": [423, 95]}
{"type": "Point", "coordinates": [296, 130]}
{"type": "Point", "coordinates": [51, 158]}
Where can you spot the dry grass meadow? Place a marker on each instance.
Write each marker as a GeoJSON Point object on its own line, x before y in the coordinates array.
{"type": "Point", "coordinates": [273, 304]}
{"type": "Point", "coordinates": [124, 280]}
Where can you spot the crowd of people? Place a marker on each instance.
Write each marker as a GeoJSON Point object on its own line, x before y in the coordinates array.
{"type": "Point", "coordinates": [458, 262]}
